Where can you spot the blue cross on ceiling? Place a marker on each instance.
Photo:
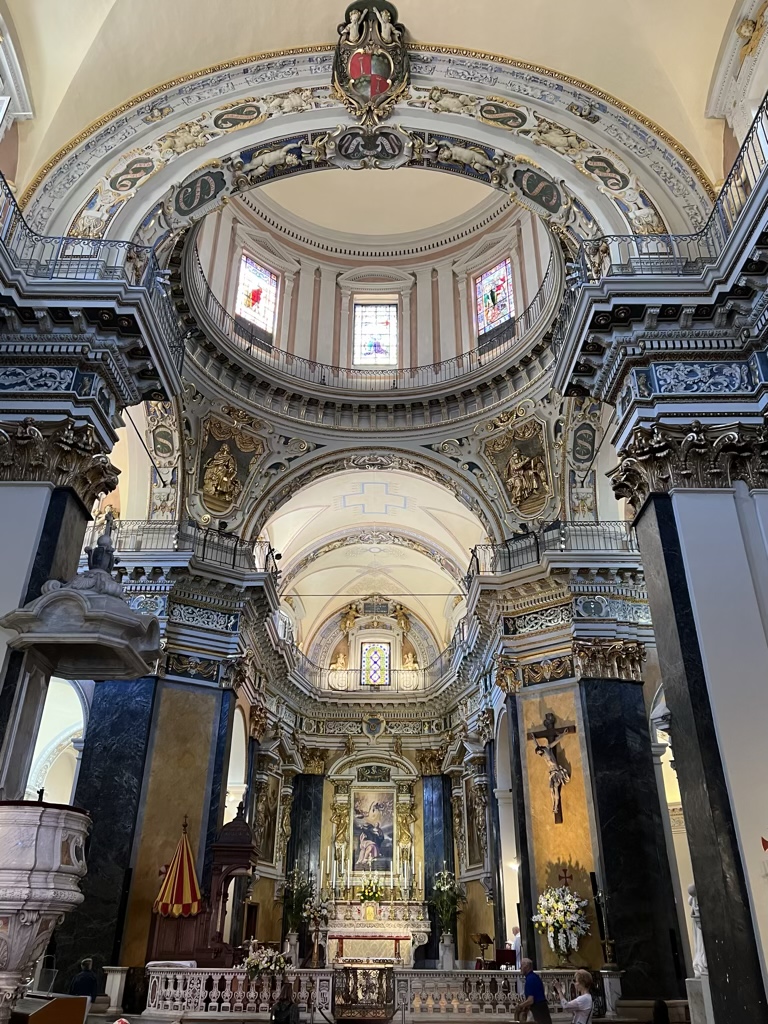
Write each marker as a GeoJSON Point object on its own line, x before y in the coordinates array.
{"type": "Point", "coordinates": [374, 499]}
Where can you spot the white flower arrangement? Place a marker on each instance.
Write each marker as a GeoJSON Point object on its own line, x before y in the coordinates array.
{"type": "Point", "coordinates": [316, 912]}
{"type": "Point", "coordinates": [561, 916]}
{"type": "Point", "coordinates": [262, 960]}
{"type": "Point", "coordinates": [371, 891]}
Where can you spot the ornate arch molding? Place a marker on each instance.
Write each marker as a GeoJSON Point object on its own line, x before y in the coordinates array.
{"type": "Point", "coordinates": [345, 768]}
{"type": "Point", "coordinates": [393, 459]}
{"type": "Point", "coordinates": [48, 757]}
{"type": "Point", "coordinates": [577, 136]}
{"type": "Point", "coordinates": [397, 538]}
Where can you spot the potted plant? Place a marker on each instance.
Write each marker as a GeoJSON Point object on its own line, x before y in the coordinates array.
{"type": "Point", "coordinates": [562, 919]}
{"type": "Point", "coordinates": [448, 899]}
{"type": "Point", "coordinates": [295, 892]}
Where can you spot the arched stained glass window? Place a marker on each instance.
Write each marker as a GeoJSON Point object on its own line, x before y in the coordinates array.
{"type": "Point", "coordinates": [257, 295]}
{"type": "Point", "coordinates": [374, 670]}
{"type": "Point", "coordinates": [495, 302]}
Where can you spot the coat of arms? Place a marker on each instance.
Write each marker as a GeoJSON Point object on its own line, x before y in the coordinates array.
{"type": "Point", "coordinates": [370, 69]}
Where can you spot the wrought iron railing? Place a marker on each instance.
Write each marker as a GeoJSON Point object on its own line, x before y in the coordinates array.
{"type": "Point", "coordinates": [213, 547]}
{"type": "Point", "coordinates": [530, 548]}
{"type": "Point", "coordinates": [69, 258]}
{"type": "Point", "coordinates": [668, 254]}
{"type": "Point", "coordinates": [370, 379]}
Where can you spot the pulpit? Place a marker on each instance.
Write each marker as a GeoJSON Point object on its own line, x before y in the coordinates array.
{"type": "Point", "coordinates": [376, 933]}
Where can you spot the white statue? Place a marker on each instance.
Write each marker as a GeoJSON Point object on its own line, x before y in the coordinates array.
{"type": "Point", "coordinates": [339, 664]}
{"type": "Point", "coordinates": [352, 32]}
{"type": "Point", "coordinates": [293, 102]}
{"type": "Point", "coordinates": [387, 30]}
{"type": "Point", "coordinates": [264, 162]}
{"type": "Point", "coordinates": [409, 662]}
{"type": "Point", "coordinates": [443, 102]}
{"type": "Point", "coordinates": [699, 955]}
{"type": "Point", "coordinates": [473, 157]}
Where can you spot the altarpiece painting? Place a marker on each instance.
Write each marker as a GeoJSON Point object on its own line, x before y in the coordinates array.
{"type": "Point", "coordinates": [373, 830]}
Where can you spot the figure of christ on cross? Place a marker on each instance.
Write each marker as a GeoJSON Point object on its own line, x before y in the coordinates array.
{"type": "Point", "coordinates": [559, 776]}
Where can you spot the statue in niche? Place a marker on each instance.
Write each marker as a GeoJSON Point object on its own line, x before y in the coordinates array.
{"type": "Point", "coordinates": [524, 475]}
{"type": "Point", "coordinates": [409, 662]}
{"type": "Point", "coordinates": [401, 618]}
{"type": "Point", "coordinates": [339, 663]}
{"type": "Point", "coordinates": [348, 617]}
{"type": "Point", "coordinates": [220, 478]}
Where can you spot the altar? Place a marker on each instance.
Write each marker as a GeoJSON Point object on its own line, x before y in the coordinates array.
{"type": "Point", "coordinates": [376, 933]}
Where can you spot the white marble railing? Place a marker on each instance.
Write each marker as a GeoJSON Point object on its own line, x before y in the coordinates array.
{"type": "Point", "coordinates": [438, 994]}
{"type": "Point", "coordinates": [201, 990]}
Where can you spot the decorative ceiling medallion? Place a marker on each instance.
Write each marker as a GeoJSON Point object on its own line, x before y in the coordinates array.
{"type": "Point", "coordinates": [371, 68]}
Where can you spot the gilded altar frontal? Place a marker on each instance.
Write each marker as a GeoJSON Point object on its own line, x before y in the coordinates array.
{"type": "Point", "coordinates": [383, 473]}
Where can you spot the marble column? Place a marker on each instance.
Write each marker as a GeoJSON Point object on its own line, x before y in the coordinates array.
{"type": "Point", "coordinates": [110, 783]}
{"type": "Point", "coordinates": [303, 850]}
{"type": "Point", "coordinates": [494, 851]}
{"type": "Point", "coordinates": [693, 676]}
{"type": "Point", "coordinates": [438, 848]}
{"type": "Point", "coordinates": [639, 901]}
{"type": "Point", "coordinates": [218, 780]}
{"type": "Point", "coordinates": [525, 897]}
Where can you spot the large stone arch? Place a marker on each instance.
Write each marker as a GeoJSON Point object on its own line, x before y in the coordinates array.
{"type": "Point", "coordinates": [616, 170]}
{"type": "Point", "coordinates": [367, 458]}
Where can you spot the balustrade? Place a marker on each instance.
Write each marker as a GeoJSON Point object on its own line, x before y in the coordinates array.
{"type": "Point", "coordinates": [435, 994]}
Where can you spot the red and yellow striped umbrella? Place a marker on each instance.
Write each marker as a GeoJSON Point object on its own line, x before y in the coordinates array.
{"type": "Point", "coordinates": [179, 894]}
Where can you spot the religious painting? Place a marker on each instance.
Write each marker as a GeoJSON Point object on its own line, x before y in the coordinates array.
{"type": "Point", "coordinates": [269, 828]}
{"type": "Point", "coordinates": [519, 456]}
{"type": "Point", "coordinates": [373, 830]}
{"type": "Point", "coordinates": [474, 850]}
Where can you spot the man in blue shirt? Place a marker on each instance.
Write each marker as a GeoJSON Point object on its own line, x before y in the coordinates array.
{"type": "Point", "coordinates": [535, 999]}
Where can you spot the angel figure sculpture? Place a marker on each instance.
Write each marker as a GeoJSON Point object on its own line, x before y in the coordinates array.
{"type": "Point", "coordinates": [352, 32]}
{"type": "Point", "coordinates": [388, 31]}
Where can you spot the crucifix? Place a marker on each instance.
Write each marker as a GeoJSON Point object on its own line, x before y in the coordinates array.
{"type": "Point", "coordinates": [558, 774]}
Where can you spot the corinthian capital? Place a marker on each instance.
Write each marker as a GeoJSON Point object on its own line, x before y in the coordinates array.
{"type": "Point", "coordinates": [604, 658]}
{"type": "Point", "coordinates": [671, 455]}
{"type": "Point", "coordinates": [65, 454]}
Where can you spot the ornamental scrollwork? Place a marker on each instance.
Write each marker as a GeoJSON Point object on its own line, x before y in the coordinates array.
{"type": "Point", "coordinates": [696, 456]}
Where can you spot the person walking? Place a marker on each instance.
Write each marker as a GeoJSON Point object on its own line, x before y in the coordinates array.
{"type": "Point", "coordinates": [535, 1000]}
{"type": "Point", "coordinates": [285, 1010]}
{"type": "Point", "coordinates": [583, 1005]}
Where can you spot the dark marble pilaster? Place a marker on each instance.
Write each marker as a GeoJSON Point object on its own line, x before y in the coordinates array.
{"type": "Point", "coordinates": [640, 901]}
{"type": "Point", "coordinates": [218, 781]}
{"type": "Point", "coordinates": [303, 851]}
{"type": "Point", "coordinates": [438, 848]}
{"type": "Point", "coordinates": [109, 787]}
{"type": "Point", "coordinates": [494, 849]}
{"type": "Point", "coordinates": [525, 898]}
{"type": "Point", "coordinates": [250, 781]}
{"type": "Point", "coordinates": [57, 557]}
{"type": "Point", "coordinates": [735, 975]}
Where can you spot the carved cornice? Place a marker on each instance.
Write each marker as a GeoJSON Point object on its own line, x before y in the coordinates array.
{"type": "Point", "coordinates": [65, 454]}
{"type": "Point", "coordinates": [668, 456]}
{"type": "Point", "coordinates": [605, 658]}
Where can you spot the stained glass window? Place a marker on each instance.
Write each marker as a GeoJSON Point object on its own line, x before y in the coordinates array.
{"type": "Point", "coordinates": [375, 334]}
{"type": "Point", "coordinates": [495, 302]}
{"type": "Point", "coordinates": [374, 670]}
{"type": "Point", "coordinates": [257, 294]}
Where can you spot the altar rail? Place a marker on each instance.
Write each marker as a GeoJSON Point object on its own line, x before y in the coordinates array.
{"type": "Point", "coordinates": [436, 994]}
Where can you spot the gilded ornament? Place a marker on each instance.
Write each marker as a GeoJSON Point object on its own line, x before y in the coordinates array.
{"type": "Point", "coordinates": [507, 674]}
{"type": "Point", "coordinates": [220, 484]}
{"type": "Point", "coordinates": [430, 762]}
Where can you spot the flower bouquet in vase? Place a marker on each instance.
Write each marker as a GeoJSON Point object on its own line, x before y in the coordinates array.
{"type": "Point", "coordinates": [370, 893]}
{"type": "Point", "coordinates": [263, 960]}
{"type": "Point", "coordinates": [562, 919]}
{"type": "Point", "coordinates": [448, 899]}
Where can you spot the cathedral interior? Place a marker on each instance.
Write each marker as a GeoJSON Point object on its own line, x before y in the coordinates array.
{"type": "Point", "coordinates": [383, 511]}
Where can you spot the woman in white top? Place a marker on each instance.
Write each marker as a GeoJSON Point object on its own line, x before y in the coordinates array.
{"type": "Point", "coordinates": [582, 1005]}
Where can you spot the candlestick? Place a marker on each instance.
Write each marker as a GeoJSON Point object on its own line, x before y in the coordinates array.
{"type": "Point", "coordinates": [321, 874]}
{"type": "Point", "coordinates": [419, 875]}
